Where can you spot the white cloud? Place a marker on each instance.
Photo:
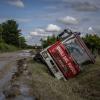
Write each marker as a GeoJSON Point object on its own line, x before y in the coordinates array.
{"type": "Point", "coordinates": [40, 30]}
{"type": "Point", "coordinates": [34, 33]}
{"type": "Point", "coordinates": [46, 31]}
{"type": "Point", "coordinates": [28, 37]}
{"type": "Point", "coordinates": [40, 34]}
{"type": "Point", "coordinates": [53, 28]}
{"type": "Point", "coordinates": [68, 20]}
{"type": "Point", "coordinates": [17, 3]}
{"type": "Point", "coordinates": [90, 29]}
{"type": "Point", "coordinates": [83, 35]}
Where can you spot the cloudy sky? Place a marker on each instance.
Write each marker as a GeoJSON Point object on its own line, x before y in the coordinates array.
{"type": "Point", "coordinates": [42, 18]}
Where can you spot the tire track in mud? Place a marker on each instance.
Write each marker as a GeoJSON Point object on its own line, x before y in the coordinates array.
{"type": "Point", "coordinates": [6, 69]}
{"type": "Point", "coordinates": [18, 89]}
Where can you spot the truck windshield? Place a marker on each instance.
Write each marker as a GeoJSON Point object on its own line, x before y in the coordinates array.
{"type": "Point", "coordinates": [77, 52]}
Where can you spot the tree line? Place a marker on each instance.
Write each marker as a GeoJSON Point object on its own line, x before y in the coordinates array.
{"type": "Point", "coordinates": [11, 34]}
{"type": "Point", "coordinates": [92, 42]}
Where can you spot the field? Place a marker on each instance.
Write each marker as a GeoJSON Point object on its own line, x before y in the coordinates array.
{"type": "Point", "coordinates": [85, 86]}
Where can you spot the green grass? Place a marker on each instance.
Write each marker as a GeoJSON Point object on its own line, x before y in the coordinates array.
{"type": "Point", "coordinates": [85, 86]}
{"type": "Point", "coordinates": [88, 82]}
{"type": "Point", "coordinates": [7, 48]}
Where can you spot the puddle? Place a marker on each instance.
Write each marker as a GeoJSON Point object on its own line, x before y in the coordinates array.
{"type": "Point", "coordinates": [2, 97]}
{"type": "Point", "coordinates": [7, 77]}
{"type": "Point", "coordinates": [16, 89]}
{"type": "Point", "coordinates": [24, 90]}
{"type": "Point", "coordinates": [21, 97]}
{"type": "Point", "coordinates": [25, 93]}
{"type": "Point", "coordinates": [3, 63]}
{"type": "Point", "coordinates": [24, 54]}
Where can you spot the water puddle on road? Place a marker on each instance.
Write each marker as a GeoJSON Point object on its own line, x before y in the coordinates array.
{"type": "Point", "coordinates": [7, 76]}
{"type": "Point", "coordinates": [25, 93]}
{"type": "Point", "coordinates": [5, 80]}
{"type": "Point", "coordinates": [16, 89]}
{"type": "Point", "coordinates": [3, 63]}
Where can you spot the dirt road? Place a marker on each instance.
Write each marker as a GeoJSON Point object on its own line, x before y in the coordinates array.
{"type": "Point", "coordinates": [8, 68]}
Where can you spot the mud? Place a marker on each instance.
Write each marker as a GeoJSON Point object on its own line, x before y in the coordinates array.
{"type": "Point", "coordinates": [16, 87]}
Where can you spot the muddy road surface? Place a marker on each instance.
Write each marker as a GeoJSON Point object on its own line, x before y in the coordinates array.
{"type": "Point", "coordinates": [7, 66]}
{"type": "Point", "coordinates": [13, 66]}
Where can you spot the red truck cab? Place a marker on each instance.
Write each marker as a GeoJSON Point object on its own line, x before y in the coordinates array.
{"type": "Point", "coordinates": [63, 60]}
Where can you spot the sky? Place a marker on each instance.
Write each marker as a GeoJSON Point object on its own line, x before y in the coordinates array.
{"type": "Point", "coordinates": [41, 18]}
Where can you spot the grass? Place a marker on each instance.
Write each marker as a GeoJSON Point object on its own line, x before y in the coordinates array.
{"type": "Point", "coordinates": [7, 48]}
{"type": "Point", "coordinates": [85, 86]}
{"type": "Point", "coordinates": [88, 86]}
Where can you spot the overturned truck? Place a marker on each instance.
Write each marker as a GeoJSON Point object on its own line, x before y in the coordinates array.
{"type": "Point", "coordinates": [66, 57]}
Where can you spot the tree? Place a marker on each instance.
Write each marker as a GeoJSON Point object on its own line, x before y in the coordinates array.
{"type": "Point", "coordinates": [48, 41]}
{"type": "Point", "coordinates": [11, 32]}
{"type": "Point", "coordinates": [1, 30]}
{"type": "Point", "coordinates": [93, 42]}
{"type": "Point", "coordinates": [22, 42]}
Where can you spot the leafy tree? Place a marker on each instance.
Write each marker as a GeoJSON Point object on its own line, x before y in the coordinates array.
{"type": "Point", "coordinates": [11, 32]}
{"type": "Point", "coordinates": [1, 30]}
{"type": "Point", "coordinates": [49, 41]}
{"type": "Point", "coordinates": [22, 42]}
{"type": "Point", "coordinates": [93, 42]}
{"type": "Point", "coordinates": [44, 43]}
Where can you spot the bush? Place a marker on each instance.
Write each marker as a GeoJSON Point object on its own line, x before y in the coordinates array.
{"type": "Point", "coordinates": [7, 48]}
